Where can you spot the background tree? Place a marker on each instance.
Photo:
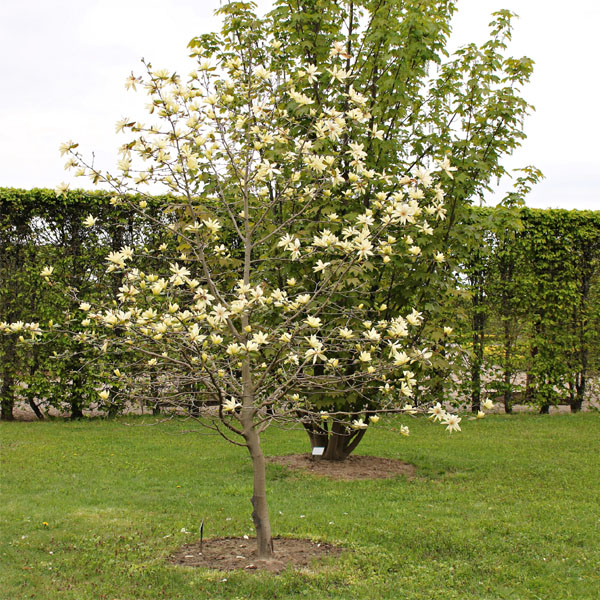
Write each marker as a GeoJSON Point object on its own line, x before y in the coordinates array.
{"type": "Point", "coordinates": [584, 324]}
{"type": "Point", "coordinates": [562, 259]}
{"type": "Point", "coordinates": [421, 103]}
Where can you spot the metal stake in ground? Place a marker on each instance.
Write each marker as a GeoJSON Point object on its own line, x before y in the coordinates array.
{"type": "Point", "coordinates": [201, 534]}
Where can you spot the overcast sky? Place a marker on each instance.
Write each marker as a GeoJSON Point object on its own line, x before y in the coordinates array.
{"type": "Point", "coordinates": [64, 63]}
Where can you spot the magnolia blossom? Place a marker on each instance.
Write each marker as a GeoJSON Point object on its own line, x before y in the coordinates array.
{"type": "Point", "coordinates": [414, 318]}
{"type": "Point", "coordinates": [437, 412]}
{"type": "Point", "coordinates": [373, 335]}
{"type": "Point", "coordinates": [400, 358]}
{"type": "Point", "coordinates": [90, 221]}
{"type": "Point", "coordinates": [452, 422]}
{"type": "Point", "coordinates": [320, 266]}
{"type": "Point", "coordinates": [315, 350]}
{"type": "Point", "coordinates": [365, 357]}
{"type": "Point", "coordinates": [212, 225]}
{"type": "Point", "coordinates": [17, 326]}
{"type": "Point", "coordinates": [115, 259]}
{"type": "Point", "coordinates": [311, 73]}
{"type": "Point", "coordinates": [233, 349]}
{"type": "Point", "coordinates": [62, 189]}
{"type": "Point", "coordinates": [363, 247]}
{"type": "Point", "coordinates": [446, 166]}
{"type": "Point", "coordinates": [300, 98]}
{"type": "Point", "coordinates": [230, 405]}
{"type": "Point", "coordinates": [424, 176]}
{"type": "Point", "coordinates": [260, 338]}
{"type": "Point", "coordinates": [314, 322]}
{"type": "Point", "coordinates": [346, 333]}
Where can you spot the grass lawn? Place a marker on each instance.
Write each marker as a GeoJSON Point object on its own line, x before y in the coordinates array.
{"type": "Point", "coordinates": [509, 508]}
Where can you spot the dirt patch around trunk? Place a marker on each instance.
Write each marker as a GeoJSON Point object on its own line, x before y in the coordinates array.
{"type": "Point", "coordinates": [239, 554]}
{"type": "Point", "coordinates": [354, 467]}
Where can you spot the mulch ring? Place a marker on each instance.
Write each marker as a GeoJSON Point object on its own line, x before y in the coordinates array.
{"type": "Point", "coordinates": [353, 467]}
{"type": "Point", "coordinates": [238, 554]}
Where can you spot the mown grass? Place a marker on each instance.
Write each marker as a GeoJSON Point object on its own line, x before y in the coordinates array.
{"type": "Point", "coordinates": [508, 509]}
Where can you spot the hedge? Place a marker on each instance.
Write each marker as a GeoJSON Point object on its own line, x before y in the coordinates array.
{"type": "Point", "coordinates": [525, 308]}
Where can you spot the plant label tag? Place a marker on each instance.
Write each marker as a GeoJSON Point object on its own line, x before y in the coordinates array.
{"type": "Point", "coordinates": [318, 451]}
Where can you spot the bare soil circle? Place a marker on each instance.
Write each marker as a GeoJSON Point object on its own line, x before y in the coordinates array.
{"type": "Point", "coordinates": [239, 554]}
{"type": "Point", "coordinates": [353, 467]}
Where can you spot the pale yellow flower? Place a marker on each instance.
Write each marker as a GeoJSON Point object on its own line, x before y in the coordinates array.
{"type": "Point", "coordinates": [488, 404]}
{"type": "Point", "coordinates": [452, 422]}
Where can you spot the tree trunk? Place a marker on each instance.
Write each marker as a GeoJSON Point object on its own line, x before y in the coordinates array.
{"type": "Point", "coordinates": [576, 405]}
{"type": "Point", "coordinates": [545, 409]}
{"type": "Point", "coordinates": [507, 368]}
{"type": "Point", "coordinates": [76, 410]}
{"type": "Point", "coordinates": [195, 405]}
{"type": "Point", "coordinates": [36, 409]}
{"type": "Point", "coordinates": [7, 400]}
{"type": "Point", "coordinates": [318, 435]}
{"type": "Point", "coordinates": [260, 510]}
{"type": "Point", "coordinates": [531, 381]}
{"type": "Point", "coordinates": [112, 411]}
{"type": "Point", "coordinates": [336, 440]}
{"type": "Point", "coordinates": [76, 400]}
{"type": "Point", "coordinates": [32, 371]}
{"type": "Point", "coordinates": [476, 389]}
{"type": "Point", "coordinates": [478, 348]}
{"type": "Point", "coordinates": [6, 408]}
{"type": "Point", "coordinates": [529, 387]}
{"type": "Point", "coordinates": [508, 392]}
{"type": "Point", "coordinates": [580, 386]}
{"type": "Point", "coordinates": [581, 376]}
{"type": "Point", "coordinates": [154, 395]}
{"type": "Point", "coordinates": [341, 443]}
{"type": "Point", "coordinates": [336, 443]}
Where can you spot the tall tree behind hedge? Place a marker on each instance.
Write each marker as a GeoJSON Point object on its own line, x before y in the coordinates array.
{"type": "Point", "coordinates": [423, 103]}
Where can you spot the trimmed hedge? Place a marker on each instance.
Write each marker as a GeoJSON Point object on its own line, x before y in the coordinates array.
{"type": "Point", "coordinates": [534, 287]}
{"type": "Point", "coordinates": [39, 229]}
{"type": "Point", "coordinates": [527, 299]}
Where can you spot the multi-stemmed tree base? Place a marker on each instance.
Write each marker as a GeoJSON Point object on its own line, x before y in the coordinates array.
{"type": "Point", "coordinates": [338, 442]}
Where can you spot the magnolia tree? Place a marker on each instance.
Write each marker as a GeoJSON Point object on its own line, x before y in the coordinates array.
{"type": "Point", "coordinates": [263, 299]}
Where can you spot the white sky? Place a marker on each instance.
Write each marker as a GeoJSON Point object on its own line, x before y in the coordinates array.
{"type": "Point", "coordinates": [64, 64]}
